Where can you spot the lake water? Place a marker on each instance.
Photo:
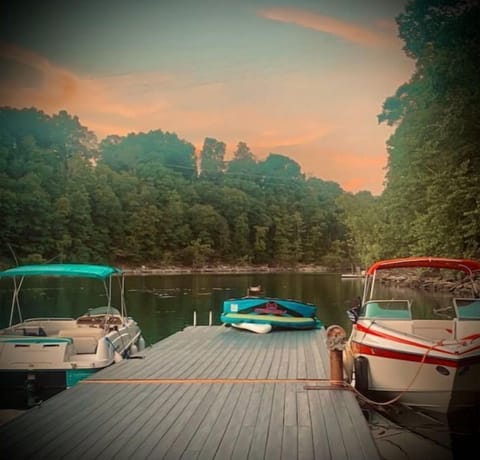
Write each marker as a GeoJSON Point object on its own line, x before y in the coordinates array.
{"type": "Point", "coordinates": [165, 304]}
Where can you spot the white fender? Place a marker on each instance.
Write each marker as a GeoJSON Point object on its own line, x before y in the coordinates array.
{"type": "Point", "coordinates": [105, 350]}
{"type": "Point", "coordinates": [141, 343]}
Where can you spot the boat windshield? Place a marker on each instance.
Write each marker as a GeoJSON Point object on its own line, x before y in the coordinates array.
{"type": "Point", "coordinates": [467, 308]}
{"type": "Point", "coordinates": [386, 309]}
{"type": "Point", "coordinates": [102, 311]}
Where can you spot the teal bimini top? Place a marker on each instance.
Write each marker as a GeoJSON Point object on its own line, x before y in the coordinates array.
{"type": "Point", "coordinates": [73, 270]}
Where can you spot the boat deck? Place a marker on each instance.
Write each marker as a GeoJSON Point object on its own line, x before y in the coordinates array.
{"type": "Point", "coordinates": [206, 392]}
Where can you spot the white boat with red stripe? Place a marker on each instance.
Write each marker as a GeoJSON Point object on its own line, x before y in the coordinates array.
{"type": "Point", "coordinates": [419, 360]}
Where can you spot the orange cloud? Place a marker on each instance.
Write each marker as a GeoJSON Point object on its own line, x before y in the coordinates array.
{"type": "Point", "coordinates": [56, 88]}
{"type": "Point", "coordinates": [343, 29]}
{"type": "Point", "coordinates": [305, 134]}
{"type": "Point", "coordinates": [354, 170]}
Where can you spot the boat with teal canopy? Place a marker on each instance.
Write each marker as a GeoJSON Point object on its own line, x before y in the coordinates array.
{"type": "Point", "coordinates": [43, 355]}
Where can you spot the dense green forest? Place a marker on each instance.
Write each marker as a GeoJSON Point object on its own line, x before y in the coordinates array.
{"type": "Point", "coordinates": [145, 199]}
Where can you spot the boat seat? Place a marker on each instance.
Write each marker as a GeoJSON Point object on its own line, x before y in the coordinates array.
{"type": "Point", "coordinates": [34, 331]}
{"type": "Point", "coordinates": [85, 339]}
{"type": "Point", "coordinates": [99, 320]}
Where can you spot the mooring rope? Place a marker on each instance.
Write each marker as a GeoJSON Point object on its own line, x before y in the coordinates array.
{"type": "Point", "coordinates": [396, 398]}
{"type": "Point", "coordinates": [202, 381]}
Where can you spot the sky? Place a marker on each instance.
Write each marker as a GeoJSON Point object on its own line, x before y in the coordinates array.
{"type": "Point", "coordinates": [301, 78]}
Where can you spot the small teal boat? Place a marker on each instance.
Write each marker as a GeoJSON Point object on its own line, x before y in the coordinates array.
{"type": "Point", "coordinates": [251, 311]}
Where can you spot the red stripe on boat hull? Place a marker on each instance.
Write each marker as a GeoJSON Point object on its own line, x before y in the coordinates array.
{"type": "Point", "coordinates": [360, 348]}
{"type": "Point", "coordinates": [393, 338]}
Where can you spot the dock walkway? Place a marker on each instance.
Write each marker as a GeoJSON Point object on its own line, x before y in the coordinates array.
{"type": "Point", "coordinates": [208, 392]}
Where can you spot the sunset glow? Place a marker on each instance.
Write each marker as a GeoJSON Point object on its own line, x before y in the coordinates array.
{"type": "Point", "coordinates": [301, 80]}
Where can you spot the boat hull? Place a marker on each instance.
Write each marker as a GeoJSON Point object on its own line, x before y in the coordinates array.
{"type": "Point", "coordinates": [42, 356]}
{"type": "Point", "coordinates": [35, 367]}
{"type": "Point", "coordinates": [22, 389]}
{"type": "Point", "coordinates": [440, 378]}
{"type": "Point", "coordinates": [430, 386]}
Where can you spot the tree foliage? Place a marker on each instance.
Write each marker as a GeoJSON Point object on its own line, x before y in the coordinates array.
{"type": "Point", "coordinates": [433, 187]}
{"type": "Point", "coordinates": [139, 199]}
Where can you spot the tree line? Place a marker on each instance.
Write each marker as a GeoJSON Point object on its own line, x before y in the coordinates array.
{"type": "Point", "coordinates": [145, 199]}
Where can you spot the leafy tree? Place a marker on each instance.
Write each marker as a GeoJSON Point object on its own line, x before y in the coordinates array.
{"type": "Point", "coordinates": [362, 215]}
{"type": "Point", "coordinates": [209, 227]}
{"type": "Point", "coordinates": [212, 159]}
{"type": "Point", "coordinates": [240, 232]}
{"type": "Point", "coordinates": [197, 254]}
{"type": "Point", "coordinates": [433, 164]}
{"type": "Point", "coordinates": [281, 168]}
{"type": "Point", "coordinates": [148, 153]}
{"type": "Point", "coordinates": [70, 138]}
{"type": "Point", "coordinates": [243, 165]}
{"type": "Point", "coordinates": [260, 236]}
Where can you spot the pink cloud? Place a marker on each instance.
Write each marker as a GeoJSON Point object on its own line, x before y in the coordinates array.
{"type": "Point", "coordinates": [346, 30]}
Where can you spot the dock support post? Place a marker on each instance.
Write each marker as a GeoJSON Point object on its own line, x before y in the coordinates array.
{"type": "Point", "coordinates": [336, 366]}
{"type": "Point", "coordinates": [210, 318]}
{"type": "Point", "coordinates": [194, 317]}
{"type": "Point", "coordinates": [336, 339]}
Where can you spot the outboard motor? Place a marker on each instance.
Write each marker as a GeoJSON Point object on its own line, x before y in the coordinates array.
{"type": "Point", "coordinates": [354, 311]}
{"type": "Point", "coordinates": [352, 314]}
{"type": "Point", "coordinates": [32, 390]}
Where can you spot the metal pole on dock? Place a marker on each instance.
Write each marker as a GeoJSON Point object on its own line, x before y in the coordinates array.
{"type": "Point", "coordinates": [336, 339]}
{"type": "Point", "coordinates": [210, 318]}
{"type": "Point", "coordinates": [194, 317]}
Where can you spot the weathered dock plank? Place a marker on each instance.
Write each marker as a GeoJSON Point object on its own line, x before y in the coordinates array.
{"type": "Point", "coordinates": [205, 393]}
{"type": "Point", "coordinates": [234, 430]}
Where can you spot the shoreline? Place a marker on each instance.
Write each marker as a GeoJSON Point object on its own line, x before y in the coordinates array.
{"type": "Point", "coordinates": [410, 280]}
{"type": "Point", "coordinates": [226, 269]}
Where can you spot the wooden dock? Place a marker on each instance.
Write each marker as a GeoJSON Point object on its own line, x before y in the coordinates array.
{"type": "Point", "coordinates": [208, 392]}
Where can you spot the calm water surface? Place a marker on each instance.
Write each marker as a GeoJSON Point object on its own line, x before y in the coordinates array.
{"type": "Point", "coordinates": [165, 304]}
